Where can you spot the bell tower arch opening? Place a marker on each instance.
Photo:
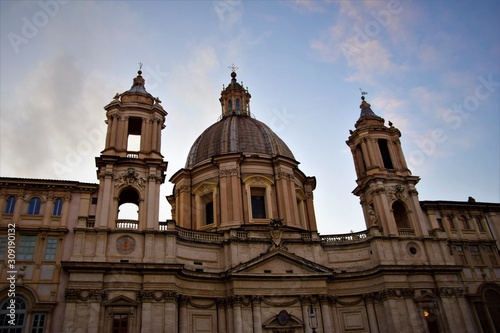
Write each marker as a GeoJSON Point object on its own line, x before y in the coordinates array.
{"type": "Point", "coordinates": [400, 215]}
{"type": "Point", "coordinates": [134, 134]}
{"type": "Point", "coordinates": [128, 205]}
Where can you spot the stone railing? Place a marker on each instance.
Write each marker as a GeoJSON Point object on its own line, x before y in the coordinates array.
{"type": "Point", "coordinates": [199, 235]}
{"type": "Point", "coordinates": [132, 154]}
{"type": "Point", "coordinates": [345, 238]}
{"type": "Point", "coordinates": [127, 224]}
{"type": "Point", "coordinates": [406, 232]}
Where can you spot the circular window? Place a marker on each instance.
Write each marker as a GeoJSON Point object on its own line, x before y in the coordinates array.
{"type": "Point", "coordinates": [413, 249]}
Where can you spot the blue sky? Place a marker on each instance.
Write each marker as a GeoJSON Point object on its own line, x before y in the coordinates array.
{"type": "Point", "coordinates": [430, 67]}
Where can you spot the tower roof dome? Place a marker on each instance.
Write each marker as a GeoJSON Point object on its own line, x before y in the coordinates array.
{"type": "Point", "coordinates": [236, 131]}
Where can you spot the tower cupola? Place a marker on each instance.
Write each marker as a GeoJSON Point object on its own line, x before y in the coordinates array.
{"type": "Point", "coordinates": [367, 116]}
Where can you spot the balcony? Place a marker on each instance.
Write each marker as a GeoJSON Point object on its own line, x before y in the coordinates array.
{"type": "Point", "coordinates": [127, 224]}
{"type": "Point", "coordinates": [354, 237]}
{"type": "Point", "coordinates": [406, 232]}
{"type": "Point", "coordinates": [132, 154]}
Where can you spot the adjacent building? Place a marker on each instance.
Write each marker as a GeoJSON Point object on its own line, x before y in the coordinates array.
{"type": "Point", "coordinates": [242, 252]}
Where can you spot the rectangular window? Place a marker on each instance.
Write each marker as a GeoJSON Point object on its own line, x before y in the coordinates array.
{"type": "Point", "coordinates": [94, 201]}
{"type": "Point", "coordinates": [384, 151]}
{"type": "Point", "coordinates": [134, 134]}
{"type": "Point", "coordinates": [26, 247]}
{"type": "Point", "coordinates": [476, 255]}
{"type": "Point", "coordinates": [451, 224]}
{"type": "Point", "coordinates": [480, 226]}
{"type": "Point", "coordinates": [38, 323]}
{"type": "Point", "coordinates": [461, 254]}
{"type": "Point", "coordinates": [489, 250]}
{"type": "Point", "coordinates": [209, 212]}
{"type": "Point", "coordinates": [50, 249]}
{"type": "Point", "coordinates": [3, 245]}
{"type": "Point", "coordinates": [440, 223]}
{"type": "Point", "coordinates": [258, 203]}
{"type": "Point", "coordinates": [120, 323]}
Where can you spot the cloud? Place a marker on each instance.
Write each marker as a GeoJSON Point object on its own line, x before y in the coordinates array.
{"type": "Point", "coordinates": [53, 118]}
{"type": "Point", "coordinates": [309, 6]}
{"type": "Point", "coordinates": [358, 37]}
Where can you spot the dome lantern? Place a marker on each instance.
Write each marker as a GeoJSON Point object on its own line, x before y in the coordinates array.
{"type": "Point", "coordinates": [235, 99]}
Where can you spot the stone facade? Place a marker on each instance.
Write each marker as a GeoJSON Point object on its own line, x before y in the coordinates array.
{"type": "Point", "coordinates": [242, 253]}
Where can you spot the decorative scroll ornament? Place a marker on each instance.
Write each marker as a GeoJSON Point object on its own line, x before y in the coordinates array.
{"type": "Point", "coordinates": [130, 177]}
{"type": "Point", "coordinates": [397, 193]}
{"type": "Point", "coordinates": [85, 295]}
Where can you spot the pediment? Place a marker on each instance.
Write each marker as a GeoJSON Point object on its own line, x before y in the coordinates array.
{"type": "Point", "coordinates": [280, 263]}
{"type": "Point", "coordinates": [426, 298]}
{"type": "Point", "coordinates": [121, 301]}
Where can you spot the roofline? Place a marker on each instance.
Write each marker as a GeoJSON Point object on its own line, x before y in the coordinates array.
{"type": "Point", "coordinates": [426, 204]}
{"type": "Point", "coordinates": [39, 181]}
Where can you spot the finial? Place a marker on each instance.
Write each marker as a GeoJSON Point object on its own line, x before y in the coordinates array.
{"type": "Point", "coordinates": [233, 68]}
{"type": "Point", "coordinates": [363, 93]}
{"type": "Point", "coordinates": [140, 68]}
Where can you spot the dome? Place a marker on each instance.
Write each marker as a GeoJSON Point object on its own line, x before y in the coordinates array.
{"type": "Point", "coordinates": [237, 134]}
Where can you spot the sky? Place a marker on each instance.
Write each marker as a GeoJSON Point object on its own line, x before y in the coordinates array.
{"type": "Point", "coordinates": [430, 67]}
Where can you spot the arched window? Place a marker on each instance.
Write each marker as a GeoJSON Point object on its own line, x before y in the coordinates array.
{"type": "Point", "coordinates": [57, 210]}
{"type": "Point", "coordinates": [20, 319]}
{"type": "Point", "coordinates": [238, 104]}
{"type": "Point", "coordinates": [492, 301]}
{"type": "Point", "coordinates": [205, 205]}
{"type": "Point", "coordinates": [128, 205]}
{"type": "Point", "coordinates": [488, 309]}
{"type": "Point", "coordinates": [399, 211]}
{"type": "Point", "coordinates": [10, 204]}
{"type": "Point", "coordinates": [34, 206]}
{"type": "Point", "coordinates": [230, 105]}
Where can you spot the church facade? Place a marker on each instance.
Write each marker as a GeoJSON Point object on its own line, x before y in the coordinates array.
{"type": "Point", "coordinates": [242, 253]}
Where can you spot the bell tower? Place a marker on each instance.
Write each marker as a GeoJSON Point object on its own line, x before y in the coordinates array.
{"type": "Point", "coordinates": [131, 167]}
{"type": "Point", "coordinates": [385, 185]}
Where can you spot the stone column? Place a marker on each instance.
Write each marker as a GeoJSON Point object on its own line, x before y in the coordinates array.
{"type": "Point", "coordinates": [237, 322]}
{"type": "Point", "coordinates": [372, 316]}
{"type": "Point", "coordinates": [65, 209]}
{"type": "Point", "coordinates": [256, 314]}
{"type": "Point", "coordinates": [183, 317]}
{"type": "Point", "coordinates": [49, 206]}
{"type": "Point", "coordinates": [146, 316]}
{"type": "Point", "coordinates": [171, 314]}
{"type": "Point", "coordinates": [465, 314]}
{"type": "Point", "coordinates": [145, 144]}
{"type": "Point", "coordinates": [221, 315]}
{"type": "Point", "coordinates": [412, 308]}
{"type": "Point", "coordinates": [305, 301]}
{"type": "Point", "coordinates": [17, 207]}
{"type": "Point", "coordinates": [324, 302]}
{"type": "Point", "coordinates": [366, 154]}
